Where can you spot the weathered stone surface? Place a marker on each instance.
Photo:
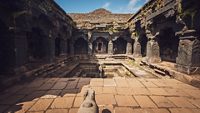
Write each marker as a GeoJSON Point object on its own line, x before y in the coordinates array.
{"type": "Point", "coordinates": [162, 102]}
{"type": "Point", "coordinates": [181, 102]}
{"type": "Point", "coordinates": [105, 99]}
{"type": "Point", "coordinates": [123, 109]}
{"type": "Point", "coordinates": [41, 105]}
{"type": "Point", "coordinates": [125, 101]}
{"type": "Point", "coordinates": [145, 102]}
{"type": "Point", "coordinates": [57, 111]}
{"type": "Point", "coordinates": [65, 102]}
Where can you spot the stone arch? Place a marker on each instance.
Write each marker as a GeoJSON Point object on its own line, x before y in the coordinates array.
{"type": "Point", "coordinates": [100, 45]}
{"type": "Point", "coordinates": [119, 46]}
{"type": "Point", "coordinates": [81, 46]}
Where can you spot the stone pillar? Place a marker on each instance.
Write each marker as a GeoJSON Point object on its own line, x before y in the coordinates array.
{"type": "Point", "coordinates": [110, 47]}
{"type": "Point", "coordinates": [188, 60]}
{"type": "Point", "coordinates": [137, 49]}
{"type": "Point", "coordinates": [153, 51]}
{"type": "Point", "coordinates": [129, 48]}
{"type": "Point", "coordinates": [89, 48]}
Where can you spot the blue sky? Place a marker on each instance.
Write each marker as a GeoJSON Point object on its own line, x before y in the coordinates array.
{"type": "Point", "coordinates": [115, 6]}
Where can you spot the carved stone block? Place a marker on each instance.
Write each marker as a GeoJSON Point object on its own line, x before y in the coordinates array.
{"type": "Point", "coordinates": [188, 60]}
{"type": "Point", "coordinates": [153, 52]}
{"type": "Point", "coordinates": [89, 104]}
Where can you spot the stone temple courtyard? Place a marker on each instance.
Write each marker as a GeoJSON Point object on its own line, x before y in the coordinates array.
{"type": "Point", "coordinates": [142, 93]}
{"type": "Point", "coordinates": [52, 61]}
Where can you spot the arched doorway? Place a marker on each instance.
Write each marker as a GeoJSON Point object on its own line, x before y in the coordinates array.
{"type": "Point", "coordinates": [168, 44]}
{"type": "Point", "coordinates": [119, 46]}
{"type": "Point", "coordinates": [81, 46]}
{"type": "Point", "coordinates": [100, 46]}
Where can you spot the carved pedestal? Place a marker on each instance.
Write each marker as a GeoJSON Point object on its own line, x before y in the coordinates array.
{"type": "Point", "coordinates": [137, 49]}
{"type": "Point", "coordinates": [110, 47]}
{"type": "Point", "coordinates": [188, 60]}
{"type": "Point", "coordinates": [153, 52]}
{"type": "Point", "coordinates": [129, 48]}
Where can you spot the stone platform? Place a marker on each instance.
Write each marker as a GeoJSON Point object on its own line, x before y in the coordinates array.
{"type": "Point", "coordinates": [116, 95]}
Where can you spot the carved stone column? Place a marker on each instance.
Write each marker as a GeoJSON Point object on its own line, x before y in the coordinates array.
{"type": "Point", "coordinates": [188, 60]}
{"type": "Point", "coordinates": [129, 48]}
{"type": "Point", "coordinates": [89, 48]}
{"type": "Point", "coordinates": [110, 47]}
{"type": "Point", "coordinates": [137, 49]}
{"type": "Point", "coordinates": [153, 49]}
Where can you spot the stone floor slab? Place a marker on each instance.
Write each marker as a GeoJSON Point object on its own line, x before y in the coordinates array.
{"type": "Point", "coordinates": [123, 110]}
{"type": "Point", "coordinates": [140, 91]}
{"type": "Point", "coordinates": [109, 90]}
{"type": "Point", "coordinates": [181, 102]}
{"type": "Point", "coordinates": [62, 103]}
{"type": "Point", "coordinates": [105, 99]}
{"type": "Point", "coordinates": [162, 102]}
{"type": "Point", "coordinates": [59, 85]}
{"type": "Point", "coordinates": [124, 91]}
{"type": "Point", "coordinates": [78, 101]}
{"type": "Point", "coordinates": [41, 105]}
{"type": "Point", "coordinates": [184, 110]}
{"type": "Point", "coordinates": [145, 102]}
{"type": "Point", "coordinates": [109, 82]}
{"type": "Point", "coordinates": [57, 111]}
{"type": "Point", "coordinates": [126, 101]}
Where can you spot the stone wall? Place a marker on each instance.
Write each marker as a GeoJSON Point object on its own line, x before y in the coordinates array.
{"type": "Point", "coordinates": [32, 33]}
{"type": "Point", "coordinates": [172, 30]}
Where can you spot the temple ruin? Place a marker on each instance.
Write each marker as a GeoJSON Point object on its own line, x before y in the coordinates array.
{"type": "Point", "coordinates": [41, 43]}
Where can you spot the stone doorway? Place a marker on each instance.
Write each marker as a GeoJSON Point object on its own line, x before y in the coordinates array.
{"type": "Point", "coordinates": [36, 44]}
{"type": "Point", "coordinates": [100, 46]}
{"type": "Point", "coordinates": [119, 46]}
{"type": "Point", "coordinates": [143, 42]}
{"type": "Point", "coordinates": [168, 43]}
{"type": "Point", "coordinates": [81, 46]}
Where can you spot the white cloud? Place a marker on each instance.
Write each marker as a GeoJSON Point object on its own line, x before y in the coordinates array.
{"type": "Point", "coordinates": [132, 6]}
{"type": "Point", "coordinates": [106, 5]}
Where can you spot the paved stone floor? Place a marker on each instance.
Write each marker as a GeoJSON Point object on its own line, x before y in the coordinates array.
{"type": "Point", "coordinates": [117, 95]}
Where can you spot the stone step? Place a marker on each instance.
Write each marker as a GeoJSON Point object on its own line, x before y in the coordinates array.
{"type": "Point", "coordinates": [160, 72]}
